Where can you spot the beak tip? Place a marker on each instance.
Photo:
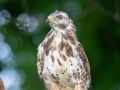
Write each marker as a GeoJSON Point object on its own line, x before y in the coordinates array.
{"type": "Point", "coordinates": [47, 21]}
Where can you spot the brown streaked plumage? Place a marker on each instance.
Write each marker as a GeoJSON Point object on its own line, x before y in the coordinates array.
{"type": "Point", "coordinates": [62, 62]}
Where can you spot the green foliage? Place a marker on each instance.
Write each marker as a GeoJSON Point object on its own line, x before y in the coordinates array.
{"type": "Point", "coordinates": [98, 30]}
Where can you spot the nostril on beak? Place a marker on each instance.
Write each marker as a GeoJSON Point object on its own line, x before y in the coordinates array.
{"type": "Point", "coordinates": [47, 21]}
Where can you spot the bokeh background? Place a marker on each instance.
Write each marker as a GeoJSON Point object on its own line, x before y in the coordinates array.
{"type": "Point", "coordinates": [23, 27]}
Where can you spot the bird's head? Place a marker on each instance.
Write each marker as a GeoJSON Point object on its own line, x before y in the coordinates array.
{"type": "Point", "coordinates": [59, 20]}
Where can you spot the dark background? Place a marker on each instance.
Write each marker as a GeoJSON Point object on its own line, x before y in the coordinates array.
{"type": "Point", "coordinates": [98, 29]}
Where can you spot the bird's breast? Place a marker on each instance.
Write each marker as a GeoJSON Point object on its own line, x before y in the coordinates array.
{"type": "Point", "coordinates": [59, 70]}
{"type": "Point", "coordinates": [58, 67]}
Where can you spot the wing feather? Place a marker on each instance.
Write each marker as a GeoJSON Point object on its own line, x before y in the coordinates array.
{"type": "Point", "coordinates": [83, 57]}
{"type": "Point", "coordinates": [40, 63]}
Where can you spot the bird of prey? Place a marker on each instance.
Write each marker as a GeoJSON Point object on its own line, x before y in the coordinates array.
{"type": "Point", "coordinates": [62, 63]}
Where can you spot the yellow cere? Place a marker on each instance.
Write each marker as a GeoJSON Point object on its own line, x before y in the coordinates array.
{"type": "Point", "coordinates": [51, 19]}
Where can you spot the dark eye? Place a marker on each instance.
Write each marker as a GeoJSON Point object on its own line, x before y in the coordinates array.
{"type": "Point", "coordinates": [60, 17]}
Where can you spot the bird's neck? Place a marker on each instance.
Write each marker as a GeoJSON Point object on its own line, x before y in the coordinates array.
{"type": "Point", "coordinates": [59, 37]}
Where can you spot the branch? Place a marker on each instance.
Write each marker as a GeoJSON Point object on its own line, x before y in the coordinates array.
{"type": "Point", "coordinates": [103, 9]}
{"type": "Point", "coordinates": [1, 85]}
{"type": "Point", "coordinates": [115, 16]}
{"type": "Point", "coordinates": [117, 10]}
{"type": "Point", "coordinates": [85, 12]}
{"type": "Point", "coordinates": [25, 6]}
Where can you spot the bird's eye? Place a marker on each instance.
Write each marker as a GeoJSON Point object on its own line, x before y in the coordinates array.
{"type": "Point", "coordinates": [60, 17]}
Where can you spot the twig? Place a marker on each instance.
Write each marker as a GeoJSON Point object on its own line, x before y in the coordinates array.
{"type": "Point", "coordinates": [25, 6]}
{"type": "Point", "coordinates": [103, 9]}
{"type": "Point", "coordinates": [1, 85]}
{"type": "Point", "coordinates": [117, 10]}
{"type": "Point", "coordinates": [115, 16]}
{"type": "Point", "coordinates": [85, 12]}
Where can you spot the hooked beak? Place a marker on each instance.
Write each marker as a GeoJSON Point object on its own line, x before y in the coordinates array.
{"type": "Point", "coordinates": [47, 21]}
{"type": "Point", "coordinates": [50, 19]}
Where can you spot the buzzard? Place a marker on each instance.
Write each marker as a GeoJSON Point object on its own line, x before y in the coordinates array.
{"type": "Point", "coordinates": [62, 63]}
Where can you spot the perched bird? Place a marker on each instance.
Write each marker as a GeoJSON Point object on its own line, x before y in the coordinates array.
{"type": "Point", "coordinates": [62, 63]}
